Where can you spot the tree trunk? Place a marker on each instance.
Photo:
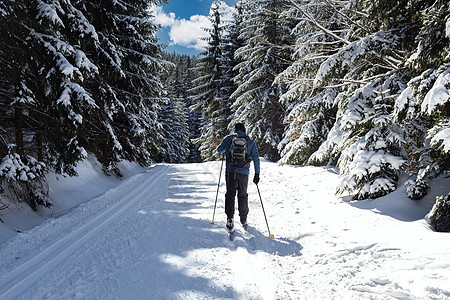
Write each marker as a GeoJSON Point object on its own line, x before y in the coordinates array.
{"type": "Point", "coordinates": [40, 149]}
{"type": "Point", "coordinates": [18, 123]}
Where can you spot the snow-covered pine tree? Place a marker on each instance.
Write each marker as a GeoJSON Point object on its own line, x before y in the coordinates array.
{"type": "Point", "coordinates": [392, 38]}
{"type": "Point", "coordinates": [64, 70]}
{"type": "Point", "coordinates": [423, 109]}
{"type": "Point", "coordinates": [373, 145]}
{"type": "Point", "coordinates": [231, 43]}
{"type": "Point", "coordinates": [210, 95]}
{"type": "Point", "coordinates": [371, 164]}
{"type": "Point", "coordinates": [361, 68]}
{"type": "Point", "coordinates": [194, 124]}
{"type": "Point", "coordinates": [264, 55]}
{"type": "Point", "coordinates": [58, 104]}
{"type": "Point", "coordinates": [174, 115]}
{"type": "Point", "coordinates": [129, 61]}
{"type": "Point", "coordinates": [180, 87]}
{"type": "Point", "coordinates": [321, 30]}
{"type": "Point", "coordinates": [423, 159]}
{"type": "Point", "coordinates": [14, 78]}
{"type": "Point", "coordinates": [45, 97]}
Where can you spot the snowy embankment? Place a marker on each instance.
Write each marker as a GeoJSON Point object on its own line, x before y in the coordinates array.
{"type": "Point", "coordinates": [150, 237]}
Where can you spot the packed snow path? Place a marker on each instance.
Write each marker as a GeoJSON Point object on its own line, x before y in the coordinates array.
{"type": "Point", "coordinates": [151, 238]}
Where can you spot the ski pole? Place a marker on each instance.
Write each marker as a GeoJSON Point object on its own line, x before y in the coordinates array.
{"type": "Point", "coordinates": [270, 235]}
{"type": "Point", "coordinates": [217, 193]}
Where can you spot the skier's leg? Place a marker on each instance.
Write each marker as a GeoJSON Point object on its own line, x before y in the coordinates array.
{"type": "Point", "coordinates": [243, 198]}
{"type": "Point", "coordinates": [230, 195]}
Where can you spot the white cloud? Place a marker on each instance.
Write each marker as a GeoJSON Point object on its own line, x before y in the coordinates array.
{"type": "Point", "coordinates": [188, 33]}
{"type": "Point", "coordinates": [161, 18]}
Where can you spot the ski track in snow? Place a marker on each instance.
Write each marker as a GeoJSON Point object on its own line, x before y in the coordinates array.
{"type": "Point", "coordinates": [151, 238]}
{"type": "Point", "coordinates": [22, 277]}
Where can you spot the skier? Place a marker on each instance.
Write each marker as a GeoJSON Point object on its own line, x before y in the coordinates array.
{"type": "Point", "coordinates": [240, 150]}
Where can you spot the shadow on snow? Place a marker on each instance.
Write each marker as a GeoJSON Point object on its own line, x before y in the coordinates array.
{"type": "Point", "coordinates": [184, 242]}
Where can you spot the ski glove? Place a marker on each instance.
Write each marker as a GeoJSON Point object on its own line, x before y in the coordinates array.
{"type": "Point", "coordinates": [256, 178]}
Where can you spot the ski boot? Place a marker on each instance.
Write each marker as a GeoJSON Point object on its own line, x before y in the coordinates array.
{"type": "Point", "coordinates": [230, 224]}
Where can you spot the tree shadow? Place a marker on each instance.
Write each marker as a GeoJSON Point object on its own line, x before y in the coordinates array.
{"type": "Point", "coordinates": [396, 205]}
{"type": "Point", "coordinates": [187, 256]}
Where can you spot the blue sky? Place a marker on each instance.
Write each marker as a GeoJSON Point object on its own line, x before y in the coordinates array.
{"type": "Point", "coordinates": [181, 22]}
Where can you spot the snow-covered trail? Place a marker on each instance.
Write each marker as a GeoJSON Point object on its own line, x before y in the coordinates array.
{"type": "Point", "coordinates": [148, 238]}
{"type": "Point", "coordinates": [151, 238]}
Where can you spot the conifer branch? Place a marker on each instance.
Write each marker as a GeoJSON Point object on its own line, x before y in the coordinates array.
{"type": "Point", "coordinates": [314, 22]}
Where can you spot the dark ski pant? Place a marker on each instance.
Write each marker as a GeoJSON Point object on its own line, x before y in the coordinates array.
{"type": "Point", "coordinates": [236, 183]}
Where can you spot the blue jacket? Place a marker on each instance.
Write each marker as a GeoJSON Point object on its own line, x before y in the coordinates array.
{"type": "Point", "coordinates": [252, 150]}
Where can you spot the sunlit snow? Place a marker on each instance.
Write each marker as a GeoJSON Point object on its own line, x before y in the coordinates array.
{"type": "Point", "coordinates": [148, 236]}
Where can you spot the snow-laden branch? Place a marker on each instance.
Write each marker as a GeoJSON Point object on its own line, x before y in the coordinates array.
{"type": "Point", "coordinates": [312, 20]}
{"type": "Point", "coordinates": [345, 16]}
{"type": "Point", "coordinates": [346, 82]}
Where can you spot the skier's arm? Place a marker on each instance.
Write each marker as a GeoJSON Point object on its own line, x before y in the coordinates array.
{"type": "Point", "coordinates": [255, 157]}
{"type": "Point", "coordinates": [224, 146]}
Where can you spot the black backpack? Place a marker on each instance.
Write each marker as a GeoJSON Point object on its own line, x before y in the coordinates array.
{"type": "Point", "coordinates": [238, 151]}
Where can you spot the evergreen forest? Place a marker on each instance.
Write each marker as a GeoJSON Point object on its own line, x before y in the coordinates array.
{"type": "Point", "coordinates": [360, 85]}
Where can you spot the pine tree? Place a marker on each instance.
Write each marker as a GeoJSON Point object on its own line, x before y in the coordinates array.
{"type": "Point", "coordinates": [370, 143]}
{"type": "Point", "coordinates": [423, 109]}
{"type": "Point", "coordinates": [358, 67]}
{"type": "Point", "coordinates": [210, 95]}
{"type": "Point", "coordinates": [263, 57]}
{"type": "Point", "coordinates": [179, 84]}
{"type": "Point", "coordinates": [371, 165]}
{"type": "Point", "coordinates": [174, 114]}
{"type": "Point", "coordinates": [194, 124]}
{"type": "Point", "coordinates": [129, 60]}
{"type": "Point", "coordinates": [61, 30]}
{"type": "Point", "coordinates": [60, 96]}
{"type": "Point", "coordinates": [173, 117]}
{"type": "Point", "coordinates": [231, 43]}
{"type": "Point", "coordinates": [440, 214]}
{"type": "Point", "coordinates": [47, 98]}
{"type": "Point", "coordinates": [320, 31]}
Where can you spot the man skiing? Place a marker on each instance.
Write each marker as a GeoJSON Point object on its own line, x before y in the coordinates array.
{"type": "Point", "coordinates": [240, 150]}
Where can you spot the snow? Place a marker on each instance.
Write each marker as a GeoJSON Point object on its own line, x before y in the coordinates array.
{"type": "Point", "coordinates": [347, 55]}
{"type": "Point", "coordinates": [64, 99]}
{"type": "Point", "coordinates": [439, 93]}
{"type": "Point", "coordinates": [447, 28]}
{"type": "Point", "coordinates": [24, 95]}
{"type": "Point", "coordinates": [48, 12]}
{"type": "Point", "coordinates": [444, 137]}
{"type": "Point", "coordinates": [148, 236]}
{"type": "Point", "coordinates": [13, 168]}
